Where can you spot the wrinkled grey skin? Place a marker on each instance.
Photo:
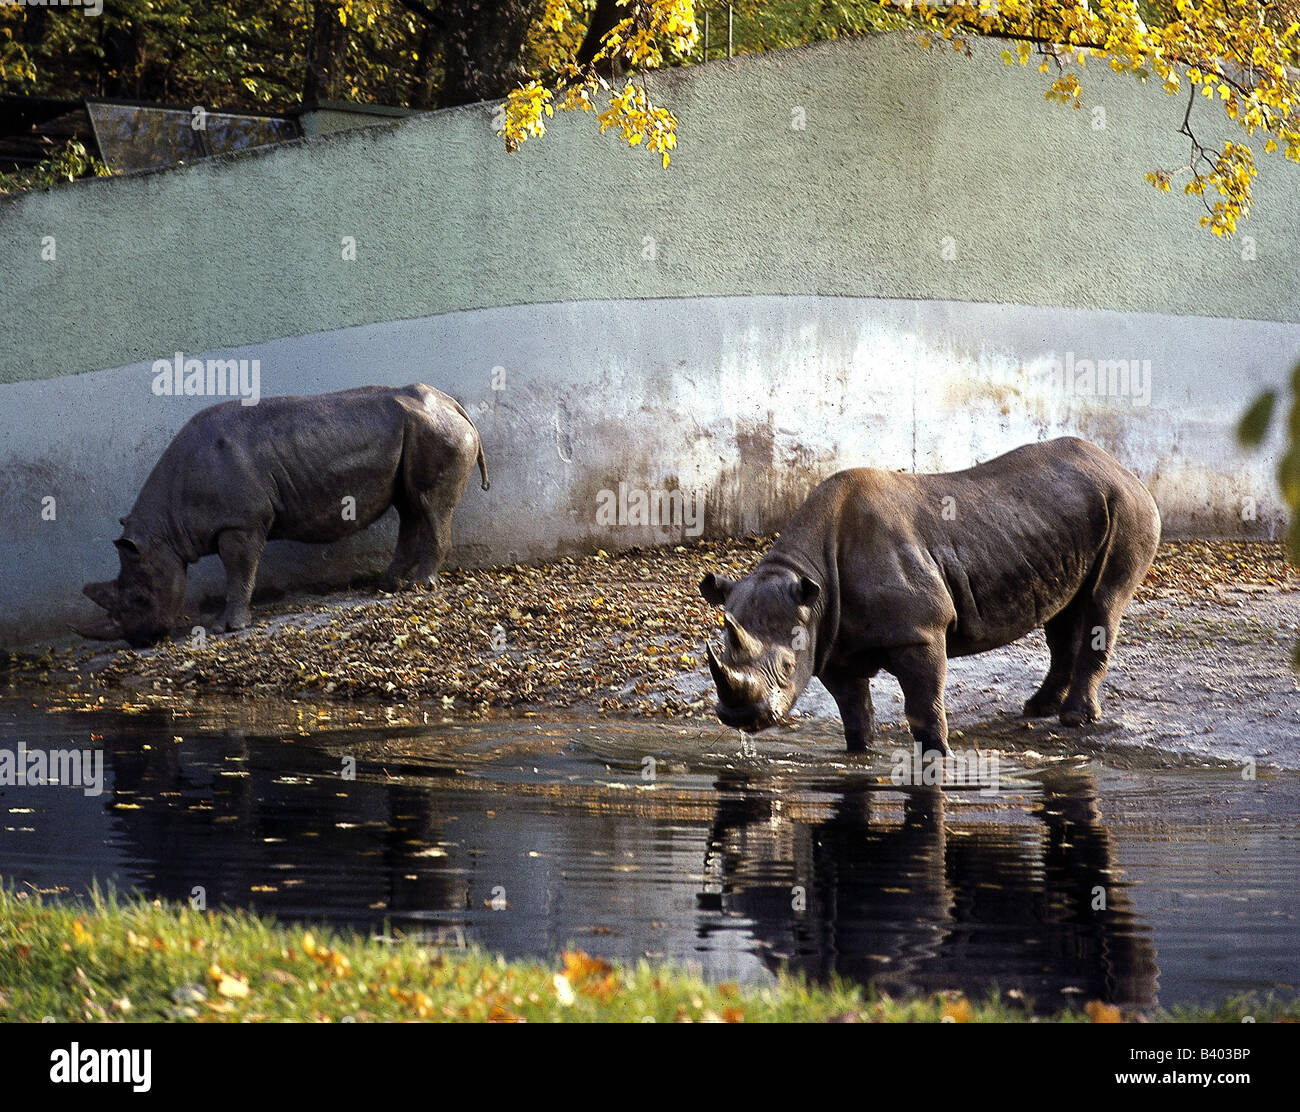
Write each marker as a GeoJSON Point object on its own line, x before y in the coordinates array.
{"type": "Point", "coordinates": [237, 476]}
{"type": "Point", "coordinates": [869, 576]}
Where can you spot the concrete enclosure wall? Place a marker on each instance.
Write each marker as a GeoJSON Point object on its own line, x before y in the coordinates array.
{"type": "Point", "coordinates": [863, 254]}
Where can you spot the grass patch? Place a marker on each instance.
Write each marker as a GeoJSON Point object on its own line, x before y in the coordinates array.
{"type": "Point", "coordinates": [114, 959]}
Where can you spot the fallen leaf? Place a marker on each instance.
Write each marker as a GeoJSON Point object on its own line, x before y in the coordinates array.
{"type": "Point", "coordinates": [957, 1011]}
{"type": "Point", "coordinates": [1103, 1013]}
{"type": "Point", "coordinates": [228, 984]}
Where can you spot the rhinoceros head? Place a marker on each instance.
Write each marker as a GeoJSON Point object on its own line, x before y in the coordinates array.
{"type": "Point", "coordinates": [143, 602]}
{"type": "Point", "coordinates": [767, 654]}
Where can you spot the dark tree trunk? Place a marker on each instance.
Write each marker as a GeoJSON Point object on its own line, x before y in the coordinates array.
{"type": "Point", "coordinates": [34, 24]}
{"type": "Point", "coordinates": [483, 47]}
{"type": "Point", "coordinates": [121, 53]}
{"type": "Point", "coordinates": [327, 44]}
{"type": "Point", "coordinates": [607, 14]}
{"type": "Point", "coordinates": [423, 85]}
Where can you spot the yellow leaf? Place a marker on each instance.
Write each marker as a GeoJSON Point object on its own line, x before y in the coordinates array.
{"type": "Point", "coordinates": [957, 1011]}
{"type": "Point", "coordinates": [233, 987]}
{"type": "Point", "coordinates": [227, 984]}
{"type": "Point", "coordinates": [1103, 1013]}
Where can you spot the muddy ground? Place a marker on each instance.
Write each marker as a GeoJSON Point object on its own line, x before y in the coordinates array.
{"type": "Point", "coordinates": [1202, 668]}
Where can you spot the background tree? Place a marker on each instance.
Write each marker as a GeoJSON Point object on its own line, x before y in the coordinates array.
{"type": "Point", "coordinates": [326, 53]}
{"type": "Point", "coordinates": [483, 47]}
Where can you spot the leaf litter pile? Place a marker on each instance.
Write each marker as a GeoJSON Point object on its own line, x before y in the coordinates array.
{"type": "Point", "coordinates": [611, 632]}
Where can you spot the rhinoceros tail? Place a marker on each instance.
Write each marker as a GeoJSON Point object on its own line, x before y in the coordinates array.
{"type": "Point", "coordinates": [482, 463]}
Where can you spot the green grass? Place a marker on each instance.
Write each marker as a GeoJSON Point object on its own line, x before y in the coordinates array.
{"type": "Point", "coordinates": [114, 959]}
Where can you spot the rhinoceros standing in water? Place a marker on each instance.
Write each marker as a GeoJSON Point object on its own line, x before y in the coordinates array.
{"type": "Point", "coordinates": [884, 570]}
{"type": "Point", "coordinates": [309, 469]}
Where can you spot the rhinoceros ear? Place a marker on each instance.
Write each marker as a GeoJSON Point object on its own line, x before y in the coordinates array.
{"type": "Point", "coordinates": [715, 588]}
{"type": "Point", "coordinates": [806, 591]}
{"type": "Point", "coordinates": [103, 595]}
{"type": "Point", "coordinates": [127, 545]}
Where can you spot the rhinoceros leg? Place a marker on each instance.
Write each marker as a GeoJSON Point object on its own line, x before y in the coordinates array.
{"type": "Point", "coordinates": [1081, 703]}
{"type": "Point", "coordinates": [1100, 626]}
{"type": "Point", "coordinates": [1121, 573]}
{"type": "Point", "coordinates": [1064, 633]}
{"type": "Point", "coordinates": [240, 551]}
{"type": "Point", "coordinates": [434, 547]}
{"type": "Point", "coordinates": [852, 694]}
{"type": "Point", "coordinates": [424, 537]}
{"type": "Point", "coordinates": [921, 671]}
{"type": "Point", "coordinates": [441, 449]}
{"type": "Point", "coordinates": [423, 541]}
{"type": "Point", "coordinates": [407, 551]}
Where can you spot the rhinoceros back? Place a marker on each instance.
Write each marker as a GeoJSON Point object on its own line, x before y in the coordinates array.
{"type": "Point", "coordinates": [313, 468]}
{"type": "Point", "coordinates": [991, 552]}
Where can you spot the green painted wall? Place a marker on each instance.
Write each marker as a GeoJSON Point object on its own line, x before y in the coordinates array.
{"type": "Point", "coordinates": [902, 148]}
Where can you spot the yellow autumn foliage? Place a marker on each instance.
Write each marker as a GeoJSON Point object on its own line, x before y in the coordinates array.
{"type": "Point", "coordinates": [1235, 54]}
{"type": "Point", "coordinates": [649, 34]}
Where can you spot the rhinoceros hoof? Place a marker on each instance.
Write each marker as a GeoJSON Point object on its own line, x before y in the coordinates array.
{"type": "Point", "coordinates": [229, 625]}
{"type": "Point", "coordinates": [1080, 716]}
{"type": "Point", "coordinates": [1042, 708]}
{"type": "Point", "coordinates": [397, 586]}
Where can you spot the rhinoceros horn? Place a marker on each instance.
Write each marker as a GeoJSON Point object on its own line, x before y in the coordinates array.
{"type": "Point", "coordinates": [102, 629]}
{"type": "Point", "coordinates": [728, 680]}
{"type": "Point", "coordinates": [744, 645]}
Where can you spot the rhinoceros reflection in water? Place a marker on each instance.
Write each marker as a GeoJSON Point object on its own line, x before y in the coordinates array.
{"type": "Point", "coordinates": [923, 901]}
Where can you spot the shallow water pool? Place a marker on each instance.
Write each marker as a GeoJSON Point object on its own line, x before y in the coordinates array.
{"type": "Point", "coordinates": [1075, 879]}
